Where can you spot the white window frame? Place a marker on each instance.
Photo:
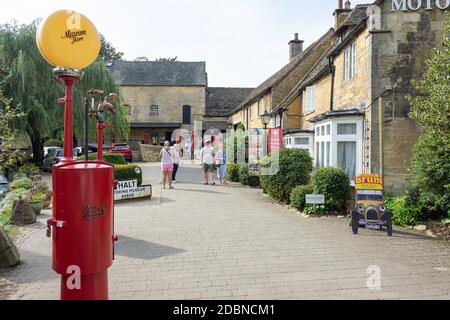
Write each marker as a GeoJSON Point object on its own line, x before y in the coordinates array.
{"type": "Point", "coordinates": [309, 100]}
{"type": "Point", "coordinates": [290, 142]}
{"type": "Point", "coordinates": [350, 61]}
{"type": "Point", "coordinates": [334, 139]}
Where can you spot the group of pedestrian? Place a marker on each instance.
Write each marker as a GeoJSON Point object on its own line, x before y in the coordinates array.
{"type": "Point", "coordinates": [211, 160]}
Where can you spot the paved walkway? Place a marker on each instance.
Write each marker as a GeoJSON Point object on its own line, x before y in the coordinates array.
{"type": "Point", "coordinates": [199, 242]}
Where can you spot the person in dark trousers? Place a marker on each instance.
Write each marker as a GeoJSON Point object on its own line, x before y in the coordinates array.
{"type": "Point", "coordinates": [176, 160]}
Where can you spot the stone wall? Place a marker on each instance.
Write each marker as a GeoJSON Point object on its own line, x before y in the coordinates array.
{"type": "Point", "coordinates": [355, 91]}
{"type": "Point", "coordinates": [170, 101]}
{"type": "Point", "coordinates": [399, 51]}
{"type": "Point", "coordinates": [150, 153]}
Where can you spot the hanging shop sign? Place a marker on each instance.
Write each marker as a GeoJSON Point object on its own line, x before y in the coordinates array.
{"type": "Point", "coordinates": [128, 190]}
{"type": "Point", "coordinates": [414, 5]}
{"type": "Point", "coordinates": [68, 39]}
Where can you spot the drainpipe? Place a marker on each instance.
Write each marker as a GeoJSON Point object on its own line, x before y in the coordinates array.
{"type": "Point", "coordinates": [333, 76]}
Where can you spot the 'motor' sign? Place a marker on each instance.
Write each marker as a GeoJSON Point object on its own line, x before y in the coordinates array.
{"type": "Point", "coordinates": [414, 5]}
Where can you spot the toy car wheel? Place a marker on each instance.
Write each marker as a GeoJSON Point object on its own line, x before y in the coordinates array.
{"type": "Point", "coordinates": [355, 222]}
{"type": "Point", "coordinates": [389, 224]}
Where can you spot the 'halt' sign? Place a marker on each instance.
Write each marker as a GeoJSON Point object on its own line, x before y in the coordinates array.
{"type": "Point", "coordinates": [127, 190]}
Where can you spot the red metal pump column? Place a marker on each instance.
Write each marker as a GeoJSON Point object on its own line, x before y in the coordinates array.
{"type": "Point", "coordinates": [82, 224]}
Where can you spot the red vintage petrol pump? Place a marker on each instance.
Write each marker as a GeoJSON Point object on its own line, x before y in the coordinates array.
{"type": "Point", "coordinates": [83, 191]}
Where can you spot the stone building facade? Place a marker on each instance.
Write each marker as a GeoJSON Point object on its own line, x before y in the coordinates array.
{"type": "Point", "coordinates": [349, 108]}
{"type": "Point", "coordinates": [162, 97]}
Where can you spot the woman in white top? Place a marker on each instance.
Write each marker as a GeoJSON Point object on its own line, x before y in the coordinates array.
{"type": "Point", "coordinates": [176, 160]}
{"type": "Point", "coordinates": [167, 157]}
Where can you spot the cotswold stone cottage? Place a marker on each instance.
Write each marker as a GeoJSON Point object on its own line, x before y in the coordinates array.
{"type": "Point", "coordinates": [162, 97]}
{"type": "Point", "coordinates": [348, 105]}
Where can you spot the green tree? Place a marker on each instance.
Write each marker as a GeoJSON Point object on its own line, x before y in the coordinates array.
{"type": "Point", "coordinates": [27, 78]}
{"type": "Point", "coordinates": [141, 59]}
{"type": "Point", "coordinates": [430, 107]}
{"type": "Point", "coordinates": [108, 52]}
{"type": "Point", "coordinates": [167, 59]}
{"type": "Point", "coordinates": [9, 114]}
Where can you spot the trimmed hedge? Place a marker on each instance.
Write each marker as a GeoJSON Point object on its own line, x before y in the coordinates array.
{"type": "Point", "coordinates": [295, 167]}
{"type": "Point", "coordinates": [233, 172]}
{"type": "Point", "coordinates": [298, 196]}
{"type": "Point", "coordinates": [111, 158]}
{"type": "Point", "coordinates": [246, 178]}
{"type": "Point", "coordinates": [123, 172]}
{"type": "Point", "coordinates": [334, 183]}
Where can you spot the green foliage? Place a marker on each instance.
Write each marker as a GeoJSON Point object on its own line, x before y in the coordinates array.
{"type": "Point", "coordinates": [316, 210]}
{"type": "Point", "coordinates": [430, 107]}
{"type": "Point", "coordinates": [39, 196]}
{"type": "Point", "coordinates": [298, 196]}
{"type": "Point", "coordinates": [27, 78]}
{"type": "Point", "coordinates": [165, 59]}
{"type": "Point", "coordinates": [21, 183]}
{"type": "Point", "coordinates": [107, 157]}
{"type": "Point", "coordinates": [124, 172]}
{"type": "Point", "coordinates": [9, 157]}
{"type": "Point", "coordinates": [246, 178]}
{"type": "Point", "coordinates": [29, 169]}
{"type": "Point", "coordinates": [12, 196]}
{"type": "Point", "coordinates": [5, 215]}
{"type": "Point", "coordinates": [233, 172]}
{"type": "Point", "coordinates": [295, 168]}
{"type": "Point", "coordinates": [404, 213]}
{"type": "Point", "coordinates": [108, 52]}
{"type": "Point", "coordinates": [334, 183]}
{"type": "Point", "coordinates": [53, 143]}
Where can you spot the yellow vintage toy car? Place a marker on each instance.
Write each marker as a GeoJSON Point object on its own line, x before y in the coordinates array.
{"type": "Point", "coordinates": [370, 211]}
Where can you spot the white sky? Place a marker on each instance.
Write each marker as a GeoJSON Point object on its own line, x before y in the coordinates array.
{"type": "Point", "coordinates": [242, 41]}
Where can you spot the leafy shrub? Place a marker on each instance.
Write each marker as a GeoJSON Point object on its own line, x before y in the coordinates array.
{"type": "Point", "coordinates": [53, 143]}
{"type": "Point", "coordinates": [246, 178]}
{"type": "Point", "coordinates": [39, 196]}
{"type": "Point", "coordinates": [111, 158]}
{"type": "Point", "coordinates": [21, 183]}
{"type": "Point", "coordinates": [334, 183]}
{"type": "Point", "coordinates": [404, 213]}
{"type": "Point", "coordinates": [233, 172]}
{"type": "Point", "coordinates": [5, 215]}
{"type": "Point", "coordinates": [298, 196]}
{"type": "Point", "coordinates": [29, 169]}
{"type": "Point", "coordinates": [13, 196]}
{"type": "Point", "coordinates": [316, 209]}
{"type": "Point", "coordinates": [124, 172]}
{"type": "Point", "coordinates": [295, 167]}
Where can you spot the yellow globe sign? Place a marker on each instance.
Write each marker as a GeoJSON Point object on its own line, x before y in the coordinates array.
{"type": "Point", "coordinates": [68, 39]}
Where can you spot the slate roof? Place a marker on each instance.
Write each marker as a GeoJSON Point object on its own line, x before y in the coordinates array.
{"type": "Point", "coordinates": [320, 68]}
{"type": "Point", "coordinates": [283, 73]}
{"type": "Point", "coordinates": [159, 73]}
{"type": "Point", "coordinates": [337, 114]}
{"type": "Point", "coordinates": [220, 102]}
{"type": "Point", "coordinates": [358, 14]}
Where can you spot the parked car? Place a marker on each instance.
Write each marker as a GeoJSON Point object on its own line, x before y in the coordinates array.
{"type": "Point", "coordinates": [4, 184]}
{"type": "Point", "coordinates": [123, 149]}
{"type": "Point", "coordinates": [53, 157]}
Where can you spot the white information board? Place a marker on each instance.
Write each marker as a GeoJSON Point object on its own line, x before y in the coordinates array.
{"type": "Point", "coordinates": [315, 199]}
{"type": "Point", "coordinates": [127, 190]}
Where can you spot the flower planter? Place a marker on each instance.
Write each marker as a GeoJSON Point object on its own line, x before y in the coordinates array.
{"type": "Point", "coordinates": [36, 206]}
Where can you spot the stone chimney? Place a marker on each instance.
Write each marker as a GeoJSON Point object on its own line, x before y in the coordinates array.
{"type": "Point", "coordinates": [295, 47]}
{"type": "Point", "coordinates": [342, 13]}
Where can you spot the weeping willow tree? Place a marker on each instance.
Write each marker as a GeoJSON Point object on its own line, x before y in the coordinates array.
{"type": "Point", "coordinates": [27, 79]}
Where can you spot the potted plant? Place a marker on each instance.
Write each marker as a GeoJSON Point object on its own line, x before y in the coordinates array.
{"type": "Point", "coordinates": [37, 202]}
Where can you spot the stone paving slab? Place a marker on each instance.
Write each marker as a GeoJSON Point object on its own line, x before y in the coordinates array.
{"type": "Point", "coordinates": [202, 242]}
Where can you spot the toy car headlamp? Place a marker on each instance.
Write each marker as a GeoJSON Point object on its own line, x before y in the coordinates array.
{"type": "Point", "coordinates": [383, 208]}
{"type": "Point", "coordinates": [361, 208]}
